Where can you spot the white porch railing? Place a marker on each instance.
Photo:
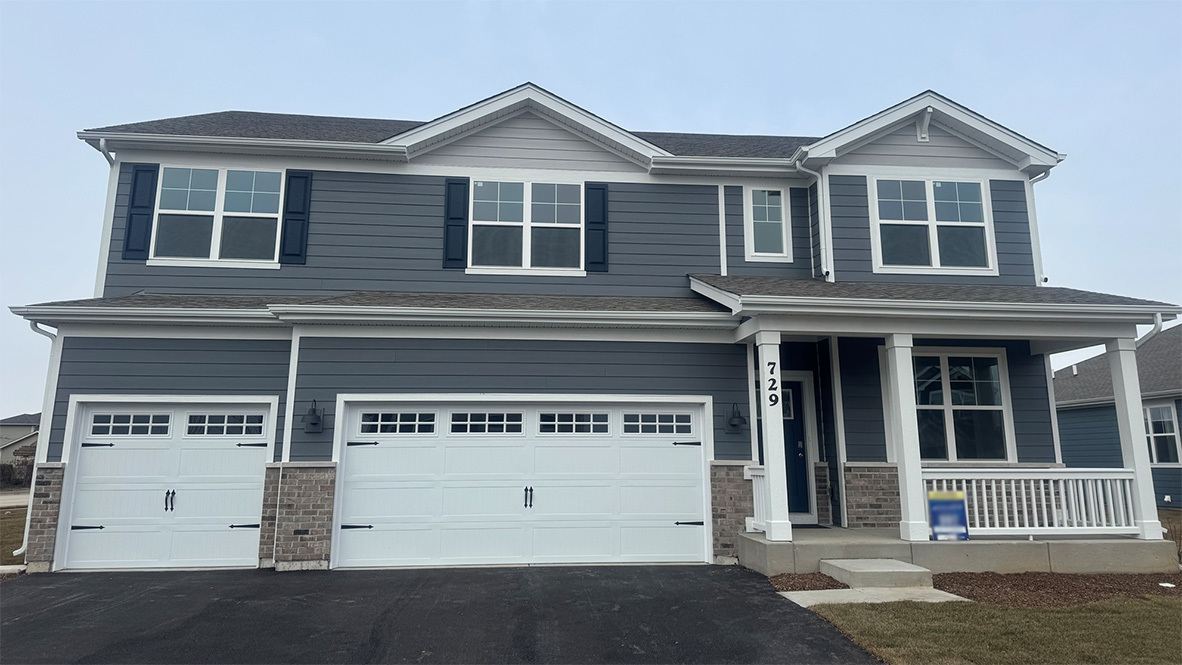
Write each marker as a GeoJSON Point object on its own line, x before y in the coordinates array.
{"type": "Point", "coordinates": [758, 477]}
{"type": "Point", "coordinates": [1041, 501]}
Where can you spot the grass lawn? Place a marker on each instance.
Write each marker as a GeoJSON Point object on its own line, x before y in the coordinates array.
{"type": "Point", "coordinates": [1113, 630]}
{"type": "Point", "coordinates": [12, 532]}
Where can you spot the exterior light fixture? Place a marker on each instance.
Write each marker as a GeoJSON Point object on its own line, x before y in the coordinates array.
{"type": "Point", "coordinates": [313, 420]}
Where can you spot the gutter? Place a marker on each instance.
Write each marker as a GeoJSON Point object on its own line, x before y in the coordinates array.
{"type": "Point", "coordinates": [1157, 324]}
{"type": "Point", "coordinates": [104, 141]}
{"type": "Point", "coordinates": [501, 317]}
{"type": "Point", "coordinates": [174, 315]}
{"type": "Point", "coordinates": [822, 215]}
{"type": "Point", "coordinates": [33, 481]}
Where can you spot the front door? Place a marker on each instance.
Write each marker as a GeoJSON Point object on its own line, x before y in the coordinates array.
{"type": "Point", "coordinates": [795, 448]}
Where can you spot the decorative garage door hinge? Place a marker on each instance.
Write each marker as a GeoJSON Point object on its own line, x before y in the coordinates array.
{"type": "Point", "coordinates": [98, 445]}
{"type": "Point", "coordinates": [687, 443]}
{"type": "Point", "coordinates": [244, 526]}
{"type": "Point", "coordinates": [85, 528]}
{"type": "Point", "coordinates": [356, 526]}
{"type": "Point", "coordinates": [361, 443]}
{"type": "Point", "coordinates": [252, 445]}
{"type": "Point", "coordinates": [689, 523]}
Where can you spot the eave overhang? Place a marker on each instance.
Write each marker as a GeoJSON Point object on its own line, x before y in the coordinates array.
{"type": "Point", "coordinates": [54, 315]}
{"type": "Point", "coordinates": [116, 141]}
{"type": "Point", "coordinates": [726, 166]}
{"type": "Point", "coordinates": [1103, 401]}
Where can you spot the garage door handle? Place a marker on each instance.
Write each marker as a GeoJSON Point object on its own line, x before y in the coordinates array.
{"type": "Point", "coordinates": [168, 494]}
{"type": "Point", "coordinates": [252, 445]}
{"type": "Point", "coordinates": [356, 526]}
{"type": "Point", "coordinates": [244, 526]}
{"type": "Point", "coordinates": [98, 445]}
{"type": "Point", "coordinates": [531, 497]}
{"type": "Point", "coordinates": [689, 523]}
{"type": "Point", "coordinates": [687, 443]}
{"type": "Point", "coordinates": [361, 443]}
{"type": "Point", "coordinates": [85, 528]}
{"type": "Point", "coordinates": [525, 499]}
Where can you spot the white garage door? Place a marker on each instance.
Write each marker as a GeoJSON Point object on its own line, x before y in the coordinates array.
{"type": "Point", "coordinates": [431, 484]}
{"type": "Point", "coordinates": [173, 485]}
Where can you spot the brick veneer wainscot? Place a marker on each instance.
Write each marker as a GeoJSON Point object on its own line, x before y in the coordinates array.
{"type": "Point", "coordinates": [872, 496]}
{"type": "Point", "coordinates": [821, 473]}
{"type": "Point", "coordinates": [731, 503]}
{"type": "Point", "coordinates": [270, 512]}
{"type": "Point", "coordinates": [303, 520]}
{"type": "Point", "coordinates": [47, 503]}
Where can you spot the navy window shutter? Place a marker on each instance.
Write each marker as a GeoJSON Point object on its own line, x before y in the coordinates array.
{"type": "Point", "coordinates": [137, 234]}
{"type": "Point", "coordinates": [297, 204]}
{"type": "Point", "coordinates": [595, 195]}
{"type": "Point", "coordinates": [455, 224]}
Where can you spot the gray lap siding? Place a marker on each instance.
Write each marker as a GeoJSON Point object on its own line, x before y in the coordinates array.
{"type": "Point", "coordinates": [137, 366]}
{"type": "Point", "coordinates": [801, 238]}
{"type": "Point", "coordinates": [863, 404]}
{"type": "Point", "coordinates": [372, 231]}
{"type": "Point", "coordinates": [332, 365]}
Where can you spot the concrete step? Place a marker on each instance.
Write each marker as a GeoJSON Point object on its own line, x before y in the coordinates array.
{"type": "Point", "coordinates": [863, 573]}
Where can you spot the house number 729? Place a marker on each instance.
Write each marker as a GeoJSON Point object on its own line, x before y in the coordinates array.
{"type": "Point", "coordinates": [773, 386]}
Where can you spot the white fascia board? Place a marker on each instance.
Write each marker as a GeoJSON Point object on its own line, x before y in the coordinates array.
{"type": "Point", "coordinates": [731, 301]}
{"type": "Point", "coordinates": [53, 315]}
{"type": "Point", "coordinates": [339, 149]}
{"type": "Point", "coordinates": [459, 316]}
{"type": "Point", "coordinates": [1037, 157]}
{"type": "Point", "coordinates": [527, 95]}
{"type": "Point", "coordinates": [764, 167]}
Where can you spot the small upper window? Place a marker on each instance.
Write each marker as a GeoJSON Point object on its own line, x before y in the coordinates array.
{"type": "Point", "coordinates": [766, 225]}
{"type": "Point", "coordinates": [526, 225]}
{"type": "Point", "coordinates": [1161, 432]}
{"type": "Point", "coordinates": [218, 214]}
{"type": "Point", "coordinates": [932, 225]}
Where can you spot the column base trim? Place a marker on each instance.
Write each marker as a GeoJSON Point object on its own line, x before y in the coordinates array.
{"type": "Point", "coordinates": [913, 531]}
{"type": "Point", "coordinates": [778, 531]}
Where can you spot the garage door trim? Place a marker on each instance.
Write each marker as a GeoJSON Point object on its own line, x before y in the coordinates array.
{"type": "Point", "coordinates": [704, 402]}
{"type": "Point", "coordinates": [73, 436]}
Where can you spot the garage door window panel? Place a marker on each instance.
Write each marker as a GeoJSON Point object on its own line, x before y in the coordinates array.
{"type": "Point", "coordinates": [658, 423]}
{"type": "Point", "coordinates": [379, 422]}
{"type": "Point", "coordinates": [130, 424]}
{"type": "Point", "coordinates": [224, 424]}
{"type": "Point", "coordinates": [550, 422]}
{"type": "Point", "coordinates": [487, 423]}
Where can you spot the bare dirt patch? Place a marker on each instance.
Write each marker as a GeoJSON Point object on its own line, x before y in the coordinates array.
{"type": "Point", "coordinates": [805, 582]}
{"type": "Point", "coordinates": [1047, 590]}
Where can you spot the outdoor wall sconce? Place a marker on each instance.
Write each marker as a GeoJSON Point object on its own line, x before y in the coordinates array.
{"type": "Point", "coordinates": [313, 420]}
{"type": "Point", "coordinates": [736, 422]}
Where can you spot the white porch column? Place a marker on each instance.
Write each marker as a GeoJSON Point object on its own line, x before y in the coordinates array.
{"type": "Point", "coordinates": [771, 409]}
{"type": "Point", "coordinates": [1122, 360]}
{"type": "Point", "coordinates": [904, 426]}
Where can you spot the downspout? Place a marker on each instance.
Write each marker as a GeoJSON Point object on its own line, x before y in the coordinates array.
{"type": "Point", "coordinates": [33, 481]}
{"type": "Point", "coordinates": [102, 146]}
{"type": "Point", "coordinates": [1157, 323]}
{"type": "Point", "coordinates": [821, 199]}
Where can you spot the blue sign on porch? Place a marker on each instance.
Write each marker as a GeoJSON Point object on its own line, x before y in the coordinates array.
{"type": "Point", "coordinates": [947, 515]}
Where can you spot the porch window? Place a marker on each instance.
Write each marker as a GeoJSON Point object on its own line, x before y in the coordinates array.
{"type": "Point", "coordinates": [527, 226]}
{"type": "Point", "coordinates": [932, 226]}
{"type": "Point", "coordinates": [962, 406]}
{"type": "Point", "coordinates": [1161, 432]}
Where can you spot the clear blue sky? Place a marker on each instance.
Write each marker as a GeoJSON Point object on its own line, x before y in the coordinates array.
{"type": "Point", "coordinates": [1099, 81]}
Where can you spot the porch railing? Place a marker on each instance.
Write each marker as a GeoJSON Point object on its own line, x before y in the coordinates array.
{"type": "Point", "coordinates": [758, 477]}
{"type": "Point", "coordinates": [1041, 501]}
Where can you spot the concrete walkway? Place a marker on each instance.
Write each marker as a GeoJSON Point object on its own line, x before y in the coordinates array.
{"type": "Point", "coordinates": [870, 595]}
{"type": "Point", "coordinates": [14, 498]}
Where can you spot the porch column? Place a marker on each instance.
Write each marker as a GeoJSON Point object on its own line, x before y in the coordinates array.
{"type": "Point", "coordinates": [771, 409]}
{"type": "Point", "coordinates": [904, 426]}
{"type": "Point", "coordinates": [1126, 386]}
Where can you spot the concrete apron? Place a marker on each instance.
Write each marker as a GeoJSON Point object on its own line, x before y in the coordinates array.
{"type": "Point", "coordinates": [870, 595]}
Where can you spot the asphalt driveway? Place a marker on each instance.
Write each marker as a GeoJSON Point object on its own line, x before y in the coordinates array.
{"type": "Point", "coordinates": [584, 614]}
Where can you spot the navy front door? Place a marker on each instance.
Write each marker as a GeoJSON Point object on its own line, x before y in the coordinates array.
{"type": "Point", "coordinates": [795, 452]}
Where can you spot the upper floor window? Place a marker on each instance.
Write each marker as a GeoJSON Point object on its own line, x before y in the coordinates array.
{"type": "Point", "coordinates": [1161, 431]}
{"type": "Point", "coordinates": [532, 226]}
{"type": "Point", "coordinates": [766, 224]}
{"type": "Point", "coordinates": [224, 215]}
{"type": "Point", "coordinates": [926, 226]}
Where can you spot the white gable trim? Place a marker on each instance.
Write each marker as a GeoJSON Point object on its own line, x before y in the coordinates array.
{"type": "Point", "coordinates": [957, 119]}
{"type": "Point", "coordinates": [509, 103]}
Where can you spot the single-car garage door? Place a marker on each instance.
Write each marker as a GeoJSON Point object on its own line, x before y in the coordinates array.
{"type": "Point", "coordinates": [167, 485]}
{"type": "Point", "coordinates": [488, 483]}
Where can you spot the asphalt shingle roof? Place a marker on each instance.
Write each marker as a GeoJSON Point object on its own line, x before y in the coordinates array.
{"type": "Point", "coordinates": [22, 419]}
{"type": "Point", "coordinates": [1159, 367]}
{"type": "Point", "coordinates": [250, 124]}
{"type": "Point", "coordinates": [815, 288]}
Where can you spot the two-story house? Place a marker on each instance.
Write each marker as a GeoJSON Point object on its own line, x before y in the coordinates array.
{"type": "Point", "coordinates": [519, 333]}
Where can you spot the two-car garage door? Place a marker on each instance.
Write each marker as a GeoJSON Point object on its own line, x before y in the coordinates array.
{"type": "Point", "coordinates": [487, 483]}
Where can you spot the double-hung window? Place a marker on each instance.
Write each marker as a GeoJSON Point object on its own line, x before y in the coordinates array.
{"type": "Point", "coordinates": [767, 229]}
{"type": "Point", "coordinates": [932, 226]}
{"type": "Point", "coordinates": [1161, 431]}
{"type": "Point", "coordinates": [963, 406]}
{"type": "Point", "coordinates": [222, 216]}
{"type": "Point", "coordinates": [526, 226]}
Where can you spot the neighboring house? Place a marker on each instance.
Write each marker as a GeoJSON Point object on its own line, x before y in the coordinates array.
{"type": "Point", "coordinates": [519, 333]}
{"type": "Point", "coordinates": [17, 433]}
{"type": "Point", "coordinates": [1087, 417]}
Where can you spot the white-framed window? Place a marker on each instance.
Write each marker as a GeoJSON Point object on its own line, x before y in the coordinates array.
{"type": "Point", "coordinates": [963, 402]}
{"type": "Point", "coordinates": [224, 424]}
{"type": "Point", "coordinates": [385, 422]}
{"type": "Point", "coordinates": [526, 227]}
{"type": "Point", "coordinates": [658, 423]}
{"type": "Point", "coordinates": [566, 422]}
{"type": "Point", "coordinates": [217, 216]}
{"type": "Point", "coordinates": [767, 224]}
{"type": "Point", "coordinates": [470, 422]}
{"type": "Point", "coordinates": [932, 226]}
{"type": "Point", "coordinates": [130, 424]}
{"type": "Point", "coordinates": [1161, 433]}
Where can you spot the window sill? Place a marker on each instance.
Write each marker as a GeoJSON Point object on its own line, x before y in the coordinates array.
{"type": "Point", "coordinates": [532, 272]}
{"type": "Point", "coordinates": [1166, 465]}
{"type": "Point", "coordinates": [920, 270]}
{"type": "Point", "coordinates": [214, 263]}
{"type": "Point", "coordinates": [768, 258]}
